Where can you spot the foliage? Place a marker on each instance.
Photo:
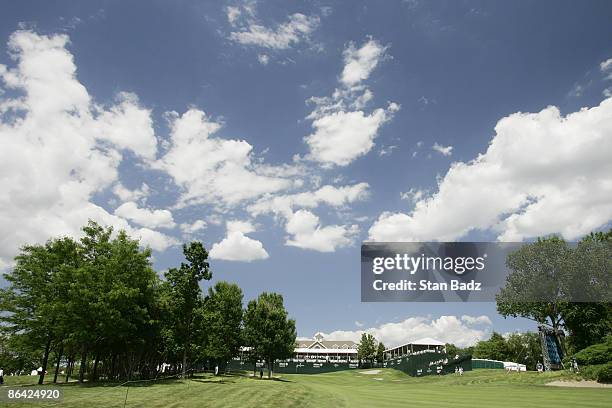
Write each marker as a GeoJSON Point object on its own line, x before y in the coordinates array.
{"type": "Point", "coordinates": [267, 329]}
{"type": "Point", "coordinates": [366, 350]}
{"type": "Point", "coordinates": [605, 373]}
{"type": "Point", "coordinates": [595, 354]}
{"type": "Point", "coordinates": [222, 321]}
{"type": "Point", "coordinates": [380, 353]}
{"type": "Point", "coordinates": [495, 348]}
{"type": "Point", "coordinates": [556, 275]}
{"type": "Point", "coordinates": [184, 297]}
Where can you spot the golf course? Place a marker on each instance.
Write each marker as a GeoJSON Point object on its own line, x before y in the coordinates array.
{"type": "Point", "coordinates": [355, 388]}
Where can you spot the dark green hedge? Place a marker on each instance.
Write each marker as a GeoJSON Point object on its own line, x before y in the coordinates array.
{"type": "Point", "coordinates": [595, 354]}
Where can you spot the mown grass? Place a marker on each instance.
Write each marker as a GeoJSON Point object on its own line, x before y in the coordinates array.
{"type": "Point", "coordinates": [388, 388]}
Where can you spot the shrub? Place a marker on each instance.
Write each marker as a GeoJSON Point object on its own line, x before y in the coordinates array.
{"type": "Point", "coordinates": [605, 374]}
{"type": "Point", "coordinates": [595, 354]}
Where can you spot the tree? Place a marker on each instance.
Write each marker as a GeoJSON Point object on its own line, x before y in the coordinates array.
{"type": "Point", "coordinates": [185, 294]}
{"type": "Point", "coordinates": [222, 318]}
{"type": "Point", "coordinates": [589, 322]}
{"type": "Point", "coordinates": [549, 282]}
{"type": "Point", "coordinates": [380, 353]}
{"type": "Point", "coordinates": [495, 348]}
{"type": "Point", "coordinates": [535, 285]}
{"type": "Point", "coordinates": [33, 301]}
{"type": "Point", "coordinates": [524, 348]}
{"type": "Point", "coordinates": [366, 350]}
{"type": "Point", "coordinates": [268, 331]}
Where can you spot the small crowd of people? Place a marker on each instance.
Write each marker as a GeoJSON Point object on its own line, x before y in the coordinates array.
{"type": "Point", "coordinates": [458, 370]}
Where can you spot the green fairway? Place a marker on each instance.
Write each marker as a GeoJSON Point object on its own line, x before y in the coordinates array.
{"type": "Point", "coordinates": [388, 388]}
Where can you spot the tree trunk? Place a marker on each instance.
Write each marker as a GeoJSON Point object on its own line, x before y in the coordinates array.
{"type": "Point", "coordinates": [41, 379]}
{"type": "Point", "coordinates": [83, 363]}
{"type": "Point", "coordinates": [270, 364]}
{"type": "Point", "coordinates": [69, 368]}
{"type": "Point", "coordinates": [94, 374]}
{"type": "Point", "coordinates": [112, 369]}
{"type": "Point", "coordinates": [59, 359]}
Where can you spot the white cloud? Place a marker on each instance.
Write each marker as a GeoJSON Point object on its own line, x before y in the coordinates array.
{"type": "Point", "coordinates": [330, 195]}
{"type": "Point", "coordinates": [443, 150]}
{"type": "Point", "coordinates": [233, 13]}
{"type": "Point", "coordinates": [145, 216]}
{"type": "Point", "coordinates": [474, 320]}
{"type": "Point", "coordinates": [58, 148]}
{"type": "Point", "coordinates": [192, 228]}
{"type": "Point", "coordinates": [298, 28]}
{"type": "Point", "coordinates": [307, 233]}
{"type": "Point", "coordinates": [387, 150]}
{"type": "Point", "coordinates": [125, 194]}
{"type": "Point", "coordinates": [606, 66]}
{"type": "Point", "coordinates": [263, 59]}
{"type": "Point", "coordinates": [542, 173]}
{"type": "Point", "coordinates": [342, 130]}
{"type": "Point", "coordinates": [211, 170]}
{"type": "Point", "coordinates": [236, 246]}
{"type": "Point", "coordinates": [412, 195]}
{"type": "Point", "coordinates": [358, 323]}
{"type": "Point", "coordinates": [341, 137]}
{"type": "Point", "coordinates": [360, 62]}
{"type": "Point", "coordinates": [449, 329]}
{"type": "Point", "coordinates": [304, 226]}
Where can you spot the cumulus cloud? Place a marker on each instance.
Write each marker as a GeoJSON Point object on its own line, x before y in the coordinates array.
{"type": "Point", "coordinates": [124, 194]}
{"type": "Point", "coordinates": [306, 232]}
{"type": "Point", "coordinates": [58, 148]}
{"type": "Point", "coordinates": [145, 216]}
{"type": "Point", "coordinates": [212, 170]}
{"type": "Point", "coordinates": [360, 62]}
{"type": "Point", "coordinates": [449, 329]}
{"type": "Point", "coordinates": [542, 173]}
{"type": "Point", "coordinates": [342, 130]}
{"type": "Point", "coordinates": [443, 150]}
{"type": "Point", "coordinates": [329, 195]}
{"type": "Point", "coordinates": [192, 228]}
{"type": "Point", "coordinates": [474, 320]}
{"type": "Point", "coordinates": [236, 246]}
{"type": "Point", "coordinates": [304, 226]}
{"type": "Point", "coordinates": [296, 29]}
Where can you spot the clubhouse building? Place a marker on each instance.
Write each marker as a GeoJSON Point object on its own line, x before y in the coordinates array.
{"type": "Point", "coordinates": [319, 349]}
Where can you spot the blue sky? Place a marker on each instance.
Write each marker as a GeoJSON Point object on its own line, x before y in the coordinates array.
{"type": "Point", "coordinates": [456, 120]}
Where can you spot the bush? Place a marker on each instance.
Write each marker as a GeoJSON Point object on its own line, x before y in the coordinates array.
{"type": "Point", "coordinates": [591, 372]}
{"type": "Point", "coordinates": [595, 354]}
{"type": "Point", "coordinates": [605, 374]}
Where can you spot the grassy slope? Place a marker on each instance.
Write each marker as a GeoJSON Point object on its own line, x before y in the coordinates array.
{"type": "Point", "coordinates": [390, 388]}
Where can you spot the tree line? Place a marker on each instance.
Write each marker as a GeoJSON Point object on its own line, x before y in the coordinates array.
{"type": "Point", "coordinates": [96, 305]}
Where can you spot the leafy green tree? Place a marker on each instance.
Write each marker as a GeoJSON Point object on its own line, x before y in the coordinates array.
{"type": "Point", "coordinates": [380, 353]}
{"type": "Point", "coordinates": [589, 322]}
{"type": "Point", "coordinates": [185, 295]}
{"type": "Point", "coordinates": [495, 348]}
{"type": "Point", "coordinates": [222, 321]}
{"type": "Point", "coordinates": [538, 271]}
{"type": "Point", "coordinates": [33, 300]}
{"type": "Point", "coordinates": [268, 330]}
{"type": "Point", "coordinates": [547, 277]}
{"type": "Point", "coordinates": [524, 348]}
{"type": "Point", "coordinates": [366, 350]}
